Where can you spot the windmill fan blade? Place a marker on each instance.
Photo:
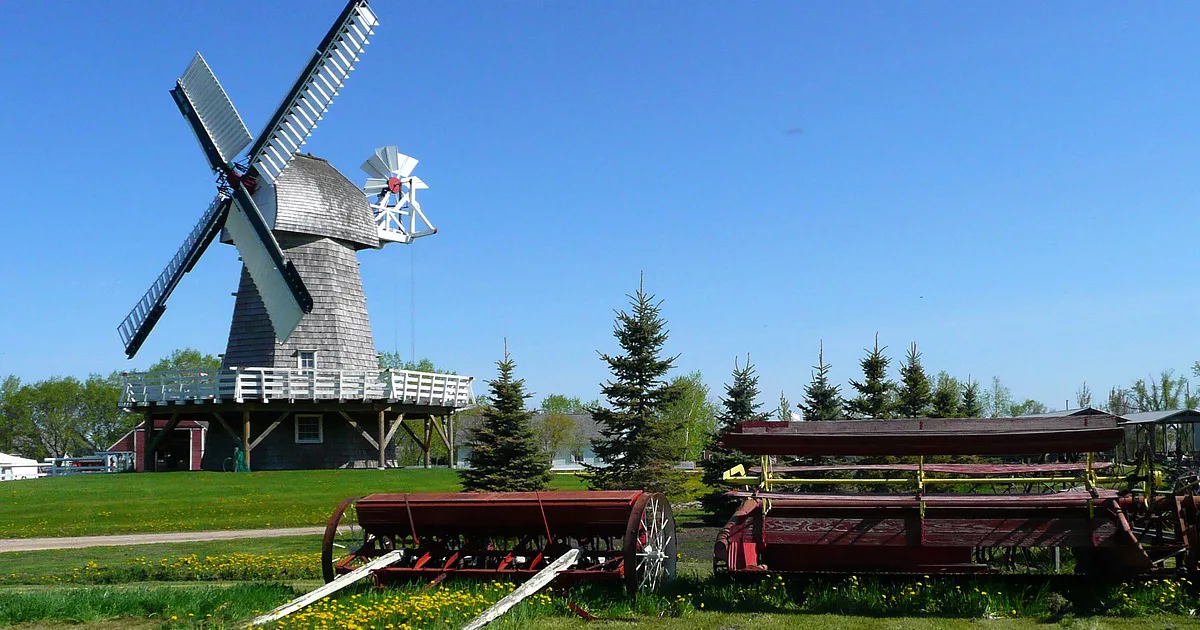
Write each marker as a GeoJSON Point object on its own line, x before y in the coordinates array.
{"type": "Point", "coordinates": [212, 106]}
{"type": "Point", "coordinates": [417, 184]}
{"type": "Point", "coordinates": [388, 162]}
{"type": "Point", "coordinates": [140, 321]}
{"type": "Point", "coordinates": [279, 285]}
{"type": "Point", "coordinates": [404, 165]}
{"type": "Point", "coordinates": [313, 92]}
{"type": "Point", "coordinates": [374, 185]}
{"type": "Point", "coordinates": [376, 166]}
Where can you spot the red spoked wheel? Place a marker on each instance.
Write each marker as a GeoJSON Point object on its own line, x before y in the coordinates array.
{"type": "Point", "coordinates": [650, 546]}
{"type": "Point", "coordinates": [343, 537]}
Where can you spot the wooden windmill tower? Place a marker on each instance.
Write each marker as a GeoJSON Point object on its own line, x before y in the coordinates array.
{"type": "Point", "coordinates": [300, 330]}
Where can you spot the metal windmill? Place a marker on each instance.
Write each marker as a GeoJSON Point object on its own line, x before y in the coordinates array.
{"type": "Point", "coordinates": [291, 217]}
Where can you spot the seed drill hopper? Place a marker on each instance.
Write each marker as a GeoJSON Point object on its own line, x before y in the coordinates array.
{"type": "Point", "coordinates": [901, 499]}
{"type": "Point", "coordinates": [622, 536]}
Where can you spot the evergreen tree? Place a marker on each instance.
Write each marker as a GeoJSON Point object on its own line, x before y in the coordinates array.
{"type": "Point", "coordinates": [737, 406]}
{"type": "Point", "coordinates": [972, 405]}
{"type": "Point", "coordinates": [784, 412]}
{"type": "Point", "coordinates": [822, 401]}
{"type": "Point", "coordinates": [504, 453]}
{"type": "Point", "coordinates": [947, 396]}
{"type": "Point", "coordinates": [874, 399]}
{"type": "Point", "coordinates": [635, 441]}
{"type": "Point", "coordinates": [915, 395]}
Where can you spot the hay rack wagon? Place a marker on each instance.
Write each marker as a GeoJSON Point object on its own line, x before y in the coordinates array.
{"type": "Point", "coordinates": [940, 495]}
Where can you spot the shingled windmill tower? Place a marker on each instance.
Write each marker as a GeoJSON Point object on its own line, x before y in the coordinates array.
{"type": "Point", "coordinates": [300, 337]}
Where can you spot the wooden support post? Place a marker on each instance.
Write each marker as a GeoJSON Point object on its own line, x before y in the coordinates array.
{"type": "Point", "coordinates": [382, 439]}
{"type": "Point", "coordinates": [407, 429]}
{"type": "Point", "coordinates": [396, 424]}
{"type": "Point", "coordinates": [246, 437]}
{"type": "Point", "coordinates": [147, 440]}
{"type": "Point", "coordinates": [154, 439]}
{"type": "Point", "coordinates": [441, 431]}
{"type": "Point", "coordinates": [450, 429]}
{"type": "Point", "coordinates": [428, 438]}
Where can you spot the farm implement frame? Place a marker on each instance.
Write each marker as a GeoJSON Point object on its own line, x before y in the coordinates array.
{"type": "Point", "coordinates": [920, 516]}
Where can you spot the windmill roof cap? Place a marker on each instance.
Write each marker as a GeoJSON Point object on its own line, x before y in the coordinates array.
{"type": "Point", "coordinates": [313, 197]}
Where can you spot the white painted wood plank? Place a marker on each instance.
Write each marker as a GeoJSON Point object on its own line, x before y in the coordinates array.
{"type": "Point", "coordinates": [328, 589]}
{"type": "Point", "coordinates": [535, 584]}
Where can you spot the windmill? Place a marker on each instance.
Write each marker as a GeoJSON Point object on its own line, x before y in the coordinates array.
{"type": "Point", "coordinates": [300, 336]}
{"type": "Point", "coordinates": [244, 207]}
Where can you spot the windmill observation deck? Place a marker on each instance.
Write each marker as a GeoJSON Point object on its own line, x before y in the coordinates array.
{"type": "Point", "coordinates": [264, 385]}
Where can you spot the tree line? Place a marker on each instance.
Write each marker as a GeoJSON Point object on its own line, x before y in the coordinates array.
{"type": "Point", "coordinates": [648, 422]}
{"type": "Point", "coordinates": [63, 416]}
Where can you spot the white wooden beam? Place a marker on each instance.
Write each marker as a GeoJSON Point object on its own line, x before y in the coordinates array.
{"type": "Point", "coordinates": [327, 589]}
{"type": "Point", "coordinates": [535, 584]}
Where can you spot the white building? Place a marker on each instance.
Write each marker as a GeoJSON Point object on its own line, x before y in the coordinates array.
{"type": "Point", "coordinates": [14, 467]}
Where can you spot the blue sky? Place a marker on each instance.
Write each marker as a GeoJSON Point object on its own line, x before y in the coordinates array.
{"type": "Point", "coordinates": [1012, 186]}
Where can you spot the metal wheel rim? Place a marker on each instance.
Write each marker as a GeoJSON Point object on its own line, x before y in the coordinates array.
{"type": "Point", "coordinates": [343, 536]}
{"type": "Point", "coordinates": [650, 545]}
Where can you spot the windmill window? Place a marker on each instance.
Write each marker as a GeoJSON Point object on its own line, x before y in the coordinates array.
{"type": "Point", "coordinates": [309, 429]}
{"type": "Point", "coordinates": [308, 359]}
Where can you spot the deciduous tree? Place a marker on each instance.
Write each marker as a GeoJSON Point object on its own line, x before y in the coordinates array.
{"type": "Point", "coordinates": [694, 412]}
{"type": "Point", "coordinates": [186, 359]}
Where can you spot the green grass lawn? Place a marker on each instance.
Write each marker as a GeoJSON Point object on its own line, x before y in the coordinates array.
{"type": "Point", "coordinates": [197, 501]}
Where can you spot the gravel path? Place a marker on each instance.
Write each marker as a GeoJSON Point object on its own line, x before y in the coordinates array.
{"type": "Point", "coordinates": [78, 542]}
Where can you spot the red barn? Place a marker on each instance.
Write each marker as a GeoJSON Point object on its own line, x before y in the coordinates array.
{"type": "Point", "coordinates": [182, 449]}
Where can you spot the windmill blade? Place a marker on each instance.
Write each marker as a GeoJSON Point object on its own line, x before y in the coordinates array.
{"type": "Point", "coordinates": [140, 321]}
{"type": "Point", "coordinates": [200, 95]}
{"type": "Point", "coordinates": [388, 161]}
{"type": "Point", "coordinates": [374, 185]}
{"type": "Point", "coordinates": [313, 92]}
{"type": "Point", "coordinates": [279, 284]}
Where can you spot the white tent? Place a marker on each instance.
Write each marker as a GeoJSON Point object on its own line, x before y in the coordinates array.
{"type": "Point", "coordinates": [14, 467]}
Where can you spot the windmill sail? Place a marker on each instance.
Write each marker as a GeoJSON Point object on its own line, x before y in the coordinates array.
{"type": "Point", "coordinates": [139, 322]}
{"type": "Point", "coordinates": [313, 92]}
{"type": "Point", "coordinates": [278, 283]}
{"type": "Point", "coordinates": [212, 106]}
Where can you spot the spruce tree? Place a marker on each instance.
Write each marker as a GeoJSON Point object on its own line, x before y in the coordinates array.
{"type": "Point", "coordinates": [874, 399]}
{"type": "Point", "coordinates": [784, 412]}
{"type": "Point", "coordinates": [915, 395]}
{"type": "Point", "coordinates": [822, 401]}
{"type": "Point", "coordinates": [739, 405]}
{"type": "Point", "coordinates": [972, 405]}
{"type": "Point", "coordinates": [947, 396]}
{"type": "Point", "coordinates": [635, 438]}
{"type": "Point", "coordinates": [504, 453]}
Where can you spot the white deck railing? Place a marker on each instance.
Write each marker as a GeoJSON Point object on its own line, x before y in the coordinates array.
{"type": "Point", "coordinates": [265, 384]}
